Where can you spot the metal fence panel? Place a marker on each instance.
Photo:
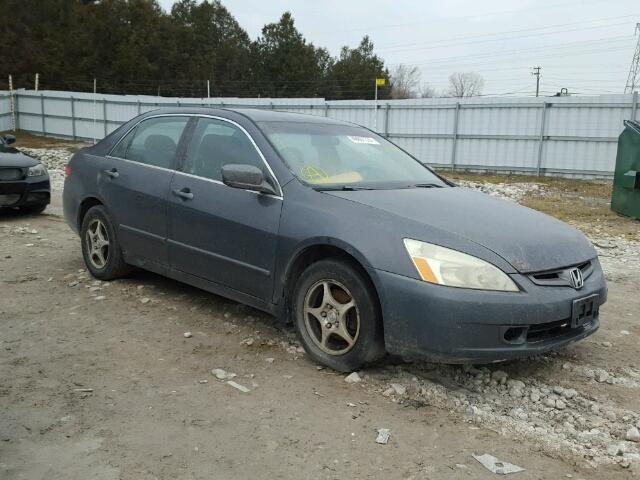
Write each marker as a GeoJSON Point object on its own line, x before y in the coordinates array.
{"type": "Point", "coordinates": [5, 111]}
{"type": "Point", "coordinates": [550, 135]}
{"type": "Point", "coordinates": [497, 154]}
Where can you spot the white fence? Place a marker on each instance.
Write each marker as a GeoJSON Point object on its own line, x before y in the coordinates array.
{"type": "Point", "coordinates": [546, 135]}
{"type": "Point", "coordinates": [5, 112]}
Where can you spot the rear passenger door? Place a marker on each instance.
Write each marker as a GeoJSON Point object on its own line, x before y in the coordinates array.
{"type": "Point", "coordinates": [134, 182]}
{"type": "Point", "coordinates": [223, 234]}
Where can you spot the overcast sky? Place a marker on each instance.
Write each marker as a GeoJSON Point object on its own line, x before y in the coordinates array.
{"type": "Point", "coordinates": [585, 46]}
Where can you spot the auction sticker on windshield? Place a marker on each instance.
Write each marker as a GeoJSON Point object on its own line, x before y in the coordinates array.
{"type": "Point", "coordinates": [363, 140]}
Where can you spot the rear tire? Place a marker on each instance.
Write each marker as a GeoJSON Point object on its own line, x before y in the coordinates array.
{"type": "Point", "coordinates": [100, 248]}
{"type": "Point", "coordinates": [337, 316]}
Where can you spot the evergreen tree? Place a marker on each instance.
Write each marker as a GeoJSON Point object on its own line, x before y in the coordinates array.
{"type": "Point", "coordinates": [211, 45]}
{"type": "Point", "coordinates": [354, 74]}
{"type": "Point", "coordinates": [285, 64]}
{"type": "Point", "coordinates": [133, 46]}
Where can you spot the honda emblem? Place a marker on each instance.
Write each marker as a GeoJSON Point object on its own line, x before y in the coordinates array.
{"type": "Point", "coordinates": [577, 280]}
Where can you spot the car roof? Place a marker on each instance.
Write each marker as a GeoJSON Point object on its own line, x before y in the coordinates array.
{"type": "Point", "coordinates": [254, 114]}
{"type": "Point", "coordinates": [264, 115]}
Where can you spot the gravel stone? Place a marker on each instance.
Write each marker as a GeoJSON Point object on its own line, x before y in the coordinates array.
{"type": "Point", "coordinates": [633, 435]}
{"type": "Point", "coordinates": [353, 378]}
{"type": "Point", "coordinates": [517, 384]}
{"type": "Point", "coordinates": [221, 374]}
{"type": "Point", "coordinates": [515, 393]}
{"type": "Point", "coordinates": [399, 389]}
{"type": "Point", "coordinates": [500, 376]}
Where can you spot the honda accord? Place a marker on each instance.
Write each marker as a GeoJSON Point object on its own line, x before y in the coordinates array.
{"type": "Point", "coordinates": [331, 226]}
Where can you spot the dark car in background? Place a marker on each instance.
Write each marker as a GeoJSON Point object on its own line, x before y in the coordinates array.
{"type": "Point", "coordinates": [24, 181]}
{"type": "Point", "coordinates": [333, 227]}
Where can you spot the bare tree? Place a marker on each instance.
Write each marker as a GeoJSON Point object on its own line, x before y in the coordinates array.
{"type": "Point", "coordinates": [465, 84]}
{"type": "Point", "coordinates": [427, 91]}
{"type": "Point", "coordinates": [405, 82]}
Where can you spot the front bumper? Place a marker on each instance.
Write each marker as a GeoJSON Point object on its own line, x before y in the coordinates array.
{"type": "Point", "coordinates": [29, 191]}
{"type": "Point", "coordinates": [454, 325]}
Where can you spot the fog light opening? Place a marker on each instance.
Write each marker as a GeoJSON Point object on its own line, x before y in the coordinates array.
{"type": "Point", "coordinates": [515, 335]}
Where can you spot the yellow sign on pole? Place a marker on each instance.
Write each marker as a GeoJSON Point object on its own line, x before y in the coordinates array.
{"type": "Point", "coordinates": [380, 82]}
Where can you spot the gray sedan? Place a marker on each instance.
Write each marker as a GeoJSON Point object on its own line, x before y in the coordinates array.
{"type": "Point", "coordinates": [332, 227]}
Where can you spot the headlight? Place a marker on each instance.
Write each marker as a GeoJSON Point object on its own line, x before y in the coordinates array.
{"type": "Point", "coordinates": [37, 171]}
{"type": "Point", "coordinates": [444, 266]}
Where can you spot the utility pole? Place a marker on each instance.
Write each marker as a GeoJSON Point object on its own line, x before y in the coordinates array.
{"type": "Point", "coordinates": [375, 110]}
{"type": "Point", "coordinates": [633, 80]}
{"type": "Point", "coordinates": [380, 82]}
{"type": "Point", "coordinates": [12, 105]}
{"type": "Point", "coordinates": [95, 94]}
{"type": "Point", "coordinates": [536, 73]}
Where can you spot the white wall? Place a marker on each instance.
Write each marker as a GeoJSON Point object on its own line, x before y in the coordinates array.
{"type": "Point", "coordinates": [553, 135]}
{"type": "Point", "coordinates": [5, 111]}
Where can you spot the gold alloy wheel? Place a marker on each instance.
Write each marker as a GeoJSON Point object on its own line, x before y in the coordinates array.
{"type": "Point", "coordinates": [97, 243]}
{"type": "Point", "coordinates": [331, 317]}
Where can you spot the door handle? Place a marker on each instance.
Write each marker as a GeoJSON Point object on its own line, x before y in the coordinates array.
{"type": "Point", "coordinates": [113, 173]}
{"type": "Point", "coordinates": [185, 193]}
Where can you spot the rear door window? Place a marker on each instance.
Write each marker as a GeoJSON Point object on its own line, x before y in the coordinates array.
{"type": "Point", "coordinates": [216, 143]}
{"type": "Point", "coordinates": [153, 142]}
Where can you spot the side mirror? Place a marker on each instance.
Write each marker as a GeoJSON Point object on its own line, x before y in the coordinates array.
{"type": "Point", "coordinates": [246, 177]}
{"type": "Point", "coordinates": [9, 139]}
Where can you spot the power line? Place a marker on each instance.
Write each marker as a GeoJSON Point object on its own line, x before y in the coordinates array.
{"type": "Point", "coordinates": [633, 79]}
{"type": "Point", "coordinates": [478, 38]}
{"type": "Point", "coordinates": [457, 18]}
{"type": "Point", "coordinates": [556, 46]}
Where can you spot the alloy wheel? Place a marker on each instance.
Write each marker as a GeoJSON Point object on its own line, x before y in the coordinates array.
{"type": "Point", "coordinates": [97, 243]}
{"type": "Point", "coordinates": [331, 317]}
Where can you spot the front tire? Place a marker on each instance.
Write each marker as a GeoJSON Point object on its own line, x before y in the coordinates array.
{"type": "Point", "coordinates": [100, 248]}
{"type": "Point", "coordinates": [337, 316]}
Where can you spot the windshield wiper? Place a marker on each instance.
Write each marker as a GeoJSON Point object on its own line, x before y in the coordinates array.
{"type": "Point", "coordinates": [344, 188]}
{"type": "Point", "coordinates": [426, 185]}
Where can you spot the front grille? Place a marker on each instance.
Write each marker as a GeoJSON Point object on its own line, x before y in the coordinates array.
{"type": "Point", "coordinates": [561, 276]}
{"type": "Point", "coordinates": [11, 174]}
{"type": "Point", "coordinates": [545, 331]}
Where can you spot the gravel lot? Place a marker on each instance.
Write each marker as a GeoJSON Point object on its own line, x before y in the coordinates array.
{"type": "Point", "coordinates": [98, 380]}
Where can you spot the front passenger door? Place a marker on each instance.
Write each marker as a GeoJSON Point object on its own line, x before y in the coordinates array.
{"type": "Point", "coordinates": [223, 234]}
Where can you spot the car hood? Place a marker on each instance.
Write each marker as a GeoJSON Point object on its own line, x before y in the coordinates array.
{"type": "Point", "coordinates": [529, 240]}
{"type": "Point", "coordinates": [12, 157]}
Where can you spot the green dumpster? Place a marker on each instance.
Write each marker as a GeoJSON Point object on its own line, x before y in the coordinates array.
{"type": "Point", "coordinates": [625, 198]}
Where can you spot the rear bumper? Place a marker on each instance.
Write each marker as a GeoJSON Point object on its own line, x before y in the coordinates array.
{"type": "Point", "coordinates": [454, 325]}
{"type": "Point", "coordinates": [71, 203]}
{"type": "Point", "coordinates": [30, 191]}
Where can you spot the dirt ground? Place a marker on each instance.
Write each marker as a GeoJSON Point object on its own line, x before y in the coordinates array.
{"type": "Point", "coordinates": [97, 380]}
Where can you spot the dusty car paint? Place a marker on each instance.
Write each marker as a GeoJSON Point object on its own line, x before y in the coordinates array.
{"type": "Point", "coordinates": [258, 266]}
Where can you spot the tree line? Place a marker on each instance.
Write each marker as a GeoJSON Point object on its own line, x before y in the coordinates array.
{"type": "Point", "coordinates": [135, 47]}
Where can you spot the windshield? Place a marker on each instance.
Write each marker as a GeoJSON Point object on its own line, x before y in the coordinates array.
{"type": "Point", "coordinates": [340, 156]}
